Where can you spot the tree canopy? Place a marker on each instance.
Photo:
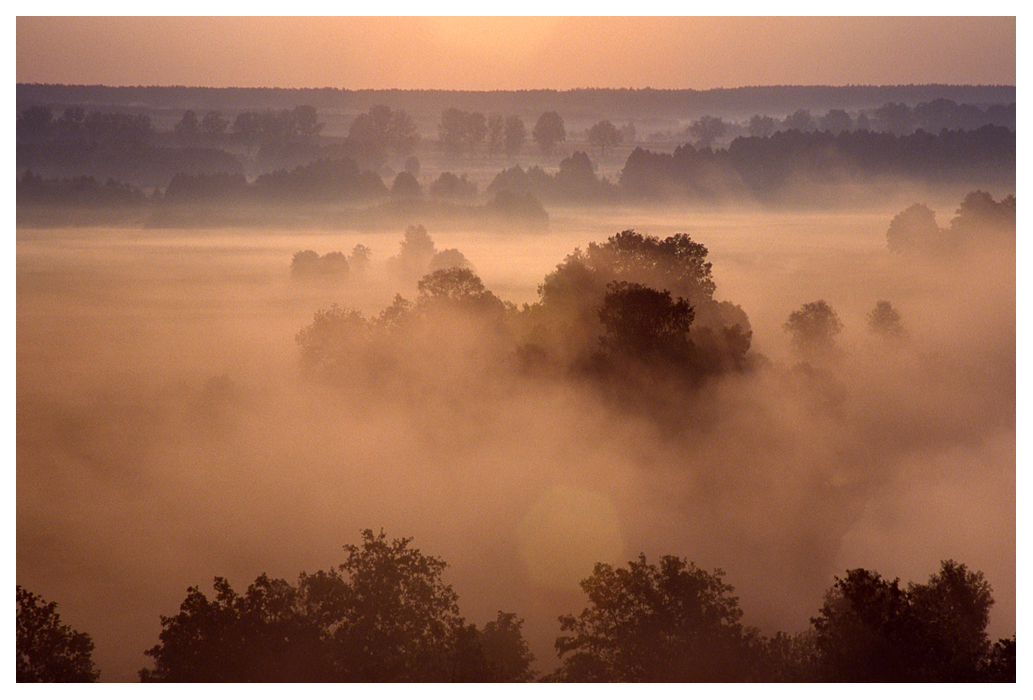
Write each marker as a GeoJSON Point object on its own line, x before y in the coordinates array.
{"type": "Point", "coordinates": [49, 651]}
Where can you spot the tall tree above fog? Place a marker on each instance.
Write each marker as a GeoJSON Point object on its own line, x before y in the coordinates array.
{"type": "Point", "coordinates": [814, 327]}
{"type": "Point", "coordinates": [548, 131]}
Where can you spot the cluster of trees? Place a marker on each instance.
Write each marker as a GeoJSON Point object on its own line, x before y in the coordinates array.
{"type": "Point", "coordinates": [82, 191]}
{"type": "Point", "coordinates": [978, 219]}
{"type": "Point", "coordinates": [37, 124]}
{"type": "Point", "coordinates": [308, 264]}
{"type": "Point", "coordinates": [896, 118]}
{"type": "Point", "coordinates": [386, 615]}
{"type": "Point", "coordinates": [787, 162]}
{"type": "Point", "coordinates": [48, 650]}
{"type": "Point", "coordinates": [621, 314]}
{"type": "Point", "coordinates": [574, 181]}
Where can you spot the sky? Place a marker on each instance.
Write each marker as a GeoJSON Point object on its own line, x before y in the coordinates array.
{"type": "Point", "coordinates": [515, 53]}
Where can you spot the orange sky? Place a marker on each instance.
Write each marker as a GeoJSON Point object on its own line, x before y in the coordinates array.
{"type": "Point", "coordinates": [515, 53]}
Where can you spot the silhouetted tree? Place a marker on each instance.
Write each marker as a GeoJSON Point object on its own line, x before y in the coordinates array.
{"type": "Point", "coordinates": [548, 131]}
{"type": "Point", "coordinates": [415, 253]}
{"type": "Point", "coordinates": [264, 635]}
{"type": "Point", "coordinates": [665, 622]}
{"type": "Point", "coordinates": [460, 130]}
{"type": "Point", "coordinates": [914, 230]}
{"type": "Point", "coordinates": [872, 630]}
{"type": "Point", "coordinates": [515, 135]}
{"type": "Point", "coordinates": [814, 327]}
{"type": "Point", "coordinates": [604, 135]}
{"type": "Point", "coordinates": [505, 650]}
{"type": "Point", "coordinates": [49, 651]}
{"type": "Point", "coordinates": [835, 121]}
{"type": "Point", "coordinates": [761, 127]}
{"type": "Point", "coordinates": [644, 323]}
{"type": "Point", "coordinates": [706, 130]}
{"type": "Point", "coordinates": [448, 186]}
{"type": "Point", "coordinates": [884, 321]}
{"type": "Point", "coordinates": [800, 120]}
{"type": "Point", "coordinates": [406, 187]}
{"type": "Point", "coordinates": [214, 124]}
{"type": "Point", "coordinates": [496, 134]}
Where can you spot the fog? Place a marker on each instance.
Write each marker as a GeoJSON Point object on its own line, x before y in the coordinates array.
{"type": "Point", "coordinates": [167, 433]}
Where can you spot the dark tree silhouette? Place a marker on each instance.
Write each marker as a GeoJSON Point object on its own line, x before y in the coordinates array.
{"type": "Point", "coordinates": [873, 630]}
{"type": "Point", "coordinates": [761, 127]}
{"type": "Point", "coordinates": [548, 131]}
{"type": "Point", "coordinates": [604, 135]}
{"type": "Point", "coordinates": [644, 323]}
{"type": "Point", "coordinates": [665, 622]}
{"type": "Point", "coordinates": [49, 651]}
{"type": "Point", "coordinates": [706, 130]}
{"type": "Point", "coordinates": [505, 650]}
{"type": "Point", "coordinates": [384, 615]}
{"type": "Point", "coordinates": [835, 121]}
{"type": "Point", "coordinates": [515, 135]}
{"type": "Point", "coordinates": [406, 187]}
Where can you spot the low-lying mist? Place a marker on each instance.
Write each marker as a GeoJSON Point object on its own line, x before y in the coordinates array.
{"type": "Point", "coordinates": [167, 432]}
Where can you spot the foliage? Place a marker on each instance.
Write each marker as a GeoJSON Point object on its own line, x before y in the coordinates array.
{"type": "Point", "coordinates": [49, 651]}
{"type": "Point", "coordinates": [873, 630]}
{"type": "Point", "coordinates": [644, 323]}
{"type": "Point", "coordinates": [384, 615]}
{"type": "Point", "coordinates": [914, 229]}
{"type": "Point", "coordinates": [548, 131]}
{"type": "Point", "coordinates": [604, 135]}
{"type": "Point", "coordinates": [884, 321]}
{"type": "Point", "coordinates": [814, 327]}
{"type": "Point", "coordinates": [665, 622]}
{"type": "Point", "coordinates": [506, 653]}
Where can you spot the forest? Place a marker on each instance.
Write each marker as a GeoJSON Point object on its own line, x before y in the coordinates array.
{"type": "Point", "coordinates": [670, 386]}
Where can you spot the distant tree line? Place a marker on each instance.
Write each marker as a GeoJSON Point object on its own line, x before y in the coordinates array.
{"type": "Point", "coordinates": [772, 168]}
{"type": "Point", "coordinates": [386, 615]}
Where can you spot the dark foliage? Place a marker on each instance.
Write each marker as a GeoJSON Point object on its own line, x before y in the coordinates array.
{"type": "Point", "coordinates": [49, 651]}
{"type": "Point", "coordinates": [384, 615]}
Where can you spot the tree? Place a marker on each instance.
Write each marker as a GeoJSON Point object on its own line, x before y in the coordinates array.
{"type": "Point", "coordinates": [505, 650]}
{"type": "Point", "coordinates": [800, 120]}
{"type": "Point", "coordinates": [761, 127]}
{"type": "Point", "coordinates": [706, 130]}
{"type": "Point", "coordinates": [49, 651]}
{"type": "Point", "coordinates": [874, 630]}
{"type": "Point", "coordinates": [515, 135]}
{"type": "Point", "coordinates": [951, 613]}
{"type": "Point", "coordinates": [835, 121]}
{"type": "Point", "coordinates": [914, 230]}
{"type": "Point", "coordinates": [391, 617]}
{"type": "Point", "coordinates": [461, 130]}
{"type": "Point", "coordinates": [263, 636]}
{"type": "Point", "coordinates": [414, 255]}
{"type": "Point", "coordinates": [187, 127]}
{"type": "Point", "coordinates": [456, 288]}
{"type": "Point", "coordinates": [383, 129]}
{"type": "Point", "coordinates": [814, 327]}
{"type": "Point", "coordinates": [604, 135]}
{"type": "Point", "coordinates": [214, 124]}
{"type": "Point", "coordinates": [665, 622]}
{"type": "Point", "coordinates": [406, 187]}
{"type": "Point", "coordinates": [548, 131]}
{"type": "Point", "coordinates": [884, 321]}
{"type": "Point", "coordinates": [644, 323]}
{"type": "Point", "coordinates": [384, 615]}
{"type": "Point", "coordinates": [496, 134]}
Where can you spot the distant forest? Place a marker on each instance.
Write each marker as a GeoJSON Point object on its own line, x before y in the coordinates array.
{"type": "Point", "coordinates": [140, 155]}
